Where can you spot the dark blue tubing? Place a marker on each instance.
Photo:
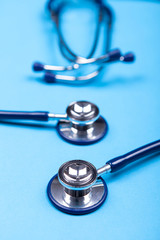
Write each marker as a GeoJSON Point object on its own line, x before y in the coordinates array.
{"type": "Point", "coordinates": [38, 116]}
{"type": "Point", "coordinates": [120, 162]}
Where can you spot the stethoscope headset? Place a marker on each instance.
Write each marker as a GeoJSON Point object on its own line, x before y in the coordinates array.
{"type": "Point", "coordinates": [78, 188]}
{"type": "Point", "coordinates": [77, 62]}
{"type": "Point", "coordinates": [81, 124]}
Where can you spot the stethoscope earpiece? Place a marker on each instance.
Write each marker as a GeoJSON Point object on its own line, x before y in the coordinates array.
{"type": "Point", "coordinates": [38, 67]}
{"type": "Point", "coordinates": [51, 72]}
{"type": "Point", "coordinates": [51, 76]}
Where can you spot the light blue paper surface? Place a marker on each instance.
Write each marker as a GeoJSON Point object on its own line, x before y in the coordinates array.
{"type": "Point", "coordinates": [128, 97]}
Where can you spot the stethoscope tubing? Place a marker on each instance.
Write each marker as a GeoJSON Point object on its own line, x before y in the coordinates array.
{"type": "Point", "coordinates": [122, 161]}
{"type": "Point", "coordinates": [63, 44]}
{"type": "Point", "coordinates": [51, 75]}
{"type": "Point", "coordinates": [24, 115]}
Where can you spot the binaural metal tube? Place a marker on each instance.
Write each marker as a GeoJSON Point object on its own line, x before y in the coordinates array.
{"type": "Point", "coordinates": [60, 68]}
{"type": "Point", "coordinates": [113, 55]}
{"type": "Point", "coordinates": [51, 78]}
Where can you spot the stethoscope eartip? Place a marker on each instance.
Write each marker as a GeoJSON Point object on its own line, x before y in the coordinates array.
{"type": "Point", "coordinates": [49, 77]}
{"type": "Point", "coordinates": [114, 55]}
{"type": "Point", "coordinates": [38, 67]}
{"type": "Point", "coordinates": [129, 57]}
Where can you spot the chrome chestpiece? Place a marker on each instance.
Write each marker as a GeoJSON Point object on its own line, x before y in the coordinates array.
{"type": "Point", "coordinates": [77, 175]}
{"type": "Point", "coordinates": [81, 124]}
{"type": "Point", "coordinates": [84, 125]}
{"type": "Point", "coordinates": [77, 188]}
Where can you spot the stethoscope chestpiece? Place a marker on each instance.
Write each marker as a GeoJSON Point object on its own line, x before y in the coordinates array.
{"type": "Point", "coordinates": [76, 189]}
{"type": "Point", "coordinates": [84, 125]}
{"type": "Point", "coordinates": [77, 175]}
{"type": "Point", "coordinates": [81, 124]}
{"type": "Point", "coordinates": [79, 189]}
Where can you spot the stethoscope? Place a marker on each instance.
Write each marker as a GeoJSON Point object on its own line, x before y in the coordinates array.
{"type": "Point", "coordinates": [78, 188]}
{"type": "Point", "coordinates": [81, 124]}
{"type": "Point", "coordinates": [77, 62]}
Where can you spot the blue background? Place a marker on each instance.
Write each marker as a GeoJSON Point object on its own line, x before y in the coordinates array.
{"type": "Point", "coordinates": [128, 97]}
